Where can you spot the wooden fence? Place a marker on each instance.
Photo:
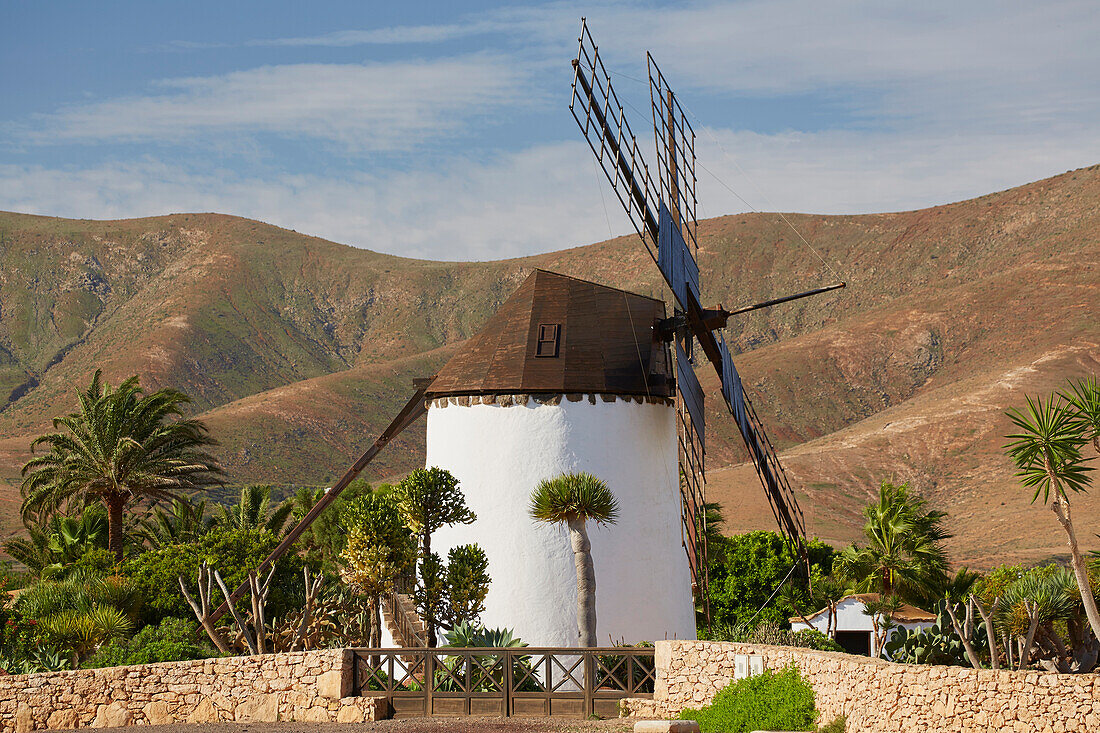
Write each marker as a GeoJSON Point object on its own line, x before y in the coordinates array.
{"type": "Point", "coordinates": [524, 681]}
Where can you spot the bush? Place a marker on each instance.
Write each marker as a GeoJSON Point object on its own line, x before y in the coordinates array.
{"type": "Point", "coordinates": [773, 635]}
{"type": "Point", "coordinates": [232, 552]}
{"type": "Point", "coordinates": [96, 561]}
{"type": "Point", "coordinates": [173, 640]}
{"type": "Point", "coordinates": [744, 569]}
{"type": "Point", "coordinates": [767, 701]}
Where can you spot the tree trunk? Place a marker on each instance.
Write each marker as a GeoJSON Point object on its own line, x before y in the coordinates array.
{"type": "Point", "coordinates": [1061, 510]}
{"type": "Point", "coordinates": [429, 618]}
{"type": "Point", "coordinates": [116, 503]}
{"type": "Point", "coordinates": [375, 639]}
{"type": "Point", "coordinates": [586, 582]}
{"type": "Point", "coordinates": [994, 662]}
{"type": "Point", "coordinates": [202, 607]}
{"type": "Point", "coordinates": [962, 634]}
{"type": "Point", "coordinates": [258, 624]}
{"type": "Point", "coordinates": [241, 625]}
{"type": "Point", "coordinates": [1025, 649]}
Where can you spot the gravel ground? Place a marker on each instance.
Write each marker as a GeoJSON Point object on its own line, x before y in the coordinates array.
{"type": "Point", "coordinates": [410, 725]}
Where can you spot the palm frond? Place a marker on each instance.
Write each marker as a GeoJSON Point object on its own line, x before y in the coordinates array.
{"type": "Point", "coordinates": [574, 496]}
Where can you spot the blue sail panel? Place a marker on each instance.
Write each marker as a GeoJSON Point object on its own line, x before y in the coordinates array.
{"type": "Point", "coordinates": [675, 260]}
{"type": "Point", "coordinates": [691, 392]}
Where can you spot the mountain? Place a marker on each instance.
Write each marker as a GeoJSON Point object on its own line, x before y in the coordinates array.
{"type": "Point", "coordinates": [297, 350]}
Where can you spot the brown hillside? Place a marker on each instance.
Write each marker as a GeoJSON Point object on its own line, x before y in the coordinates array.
{"type": "Point", "coordinates": [297, 350]}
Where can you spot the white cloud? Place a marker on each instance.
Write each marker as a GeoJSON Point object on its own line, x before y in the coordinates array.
{"type": "Point", "coordinates": [545, 198]}
{"type": "Point", "coordinates": [371, 107]}
{"type": "Point", "coordinates": [385, 36]}
{"type": "Point", "coordinates": [983, 63]}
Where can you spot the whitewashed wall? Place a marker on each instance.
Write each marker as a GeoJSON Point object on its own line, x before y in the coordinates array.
{"type": "Point", "coordinates": [850, 616]}
{"type": "Point", "coordinates": [499, 454]}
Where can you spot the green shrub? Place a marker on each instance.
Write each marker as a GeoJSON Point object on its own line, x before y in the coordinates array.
{"type": "Point", "coordinates": [173, 640]}
{"type": "Point", "coordinates": [744, 569]}
{"type": "Point", "coordinates": [814, 639]}
{"type": "Point", "coordinates": [232, 552]}
{"type": "Point", "coordinates": [767, 701]}
{"type": "Point", "coordinates": [836, 725]}
{"type": "Point", "coordinates": [96, 561]}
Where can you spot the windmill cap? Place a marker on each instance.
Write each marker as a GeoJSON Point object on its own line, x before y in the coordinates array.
{"type": "Point", "coordinates": [560, 334]}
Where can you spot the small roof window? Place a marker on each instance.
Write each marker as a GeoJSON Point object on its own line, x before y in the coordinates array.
{"type": "Point", "coordinates": [549, 341]}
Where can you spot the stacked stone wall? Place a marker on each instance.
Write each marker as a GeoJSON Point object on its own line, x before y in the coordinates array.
{"type": "Point", "coordinates": [306, 686]}
{"type": "Point", "coordinates": [876, 695]}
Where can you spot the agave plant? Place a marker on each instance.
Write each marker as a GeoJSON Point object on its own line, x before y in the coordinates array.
{"type": "Point", "coordinates": [468, 635]}
{"type": "Point", "coordinates": [486, 672]}
{"type": "Point", "coordinates": [40, 660]}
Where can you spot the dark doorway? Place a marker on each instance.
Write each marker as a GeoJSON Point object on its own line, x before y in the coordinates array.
{"type": "Point", "coordinates": [855, 642]}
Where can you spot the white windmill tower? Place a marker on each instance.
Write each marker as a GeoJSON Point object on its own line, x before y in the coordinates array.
{"type": "Point", "coordinates": [567, 376]}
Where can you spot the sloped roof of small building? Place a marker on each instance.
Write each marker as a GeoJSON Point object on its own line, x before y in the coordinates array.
{"type": "Point", "coordinates": [607, 344]}
{"type": "Point", "coordinates": [905, 614]}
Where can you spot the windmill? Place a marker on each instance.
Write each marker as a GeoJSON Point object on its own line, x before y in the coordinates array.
{"type": "Point", "coordinates": [663, 213]}
{"type": "Point", "coordinates": [569, 374]}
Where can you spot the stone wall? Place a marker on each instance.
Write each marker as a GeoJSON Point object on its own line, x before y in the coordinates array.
{"type": "Point", "coordinates": [307, 686]}
{"type": "Point", "coordinates": [876, 695]}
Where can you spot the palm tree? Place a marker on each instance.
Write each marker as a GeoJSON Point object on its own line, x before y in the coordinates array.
{"type": "Point", "coordinates": [573, 499]}
{"type": "Point", "coordinates": [122, 446]}
{"type": "Point", "coordinates": [1047, 452]}
{"type": "Point", "coordinates": [904, 555]}
{"type": "Point", "coordinates": [49, 549]}
{"type": "Point", "coordinates": [253, 510]}
{"type": "Point", "coordinates": [184, 522]}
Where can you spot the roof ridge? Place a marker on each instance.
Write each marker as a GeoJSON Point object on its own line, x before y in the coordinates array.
{"type": "Point", "coordinates": [544, 271]}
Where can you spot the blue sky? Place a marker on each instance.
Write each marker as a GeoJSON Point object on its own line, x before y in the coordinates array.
{"type": "Point", "coordinates": [441, 129]}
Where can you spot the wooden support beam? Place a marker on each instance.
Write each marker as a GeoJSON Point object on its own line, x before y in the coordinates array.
{"type": "Point", "coordinates": [409, 414]}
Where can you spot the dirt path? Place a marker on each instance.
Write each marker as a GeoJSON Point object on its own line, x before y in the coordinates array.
{"type": "Point", "coordinates": [410, 725]}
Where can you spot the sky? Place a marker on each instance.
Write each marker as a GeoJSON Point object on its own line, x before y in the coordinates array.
{"type": "Point", "coordinates": [441, 129]}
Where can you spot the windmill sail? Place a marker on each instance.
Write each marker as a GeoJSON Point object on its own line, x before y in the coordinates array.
{"type": "Point", "coordinates": [781, 497]}
{"type": "Point", "coordinates": [664, 213]}
{"type": "Point", "coordinates": [413, 409]}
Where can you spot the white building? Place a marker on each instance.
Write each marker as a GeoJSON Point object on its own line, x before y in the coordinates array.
{"type": "Point", "coordinates": [855, 631]}
{"type": "Point", "coordinates": [567, 376]}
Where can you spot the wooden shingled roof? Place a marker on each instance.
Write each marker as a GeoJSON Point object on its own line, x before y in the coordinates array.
{"type": "Point", "coordinates": [605, 344]}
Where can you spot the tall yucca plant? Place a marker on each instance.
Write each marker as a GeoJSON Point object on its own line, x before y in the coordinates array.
{"type": "Point", "coordinates": [1047, 453]}
{"type": "Point", "coordinates": [1084, 396]}
{"type": "Point", "coordinates": [572, 499]}
{"type": "Point", "coordinates": [121, 447]}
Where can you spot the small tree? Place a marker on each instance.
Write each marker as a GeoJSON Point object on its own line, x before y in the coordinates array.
{"type": "Point", "coordinates": [379, 550]}
{"type": "Point", "coordinates": [1047, 452]}
{"type": "Point", "coordinates": [881, 611]}
{"type": "Point", "coordinates": [572, 499]}
{"type": "Point", "coordinates": [428, 499]}
{"type": "Point", "coordinates": [467, 584]}
{"type": "Point", "coordinates": [254, 510]}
